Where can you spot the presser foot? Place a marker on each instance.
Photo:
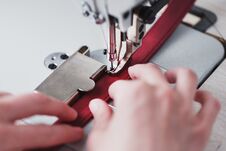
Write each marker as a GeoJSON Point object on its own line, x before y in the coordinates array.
{"type": "Point", "coordinates": [101, 56]}
{"type": "Point", "coordinates": [126, 52]}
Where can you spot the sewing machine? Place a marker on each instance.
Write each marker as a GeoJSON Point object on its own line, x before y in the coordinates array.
{"type": "Point", "coordinates": [51, 34]}
{"type": "Point", "coordinates": [123, 27]}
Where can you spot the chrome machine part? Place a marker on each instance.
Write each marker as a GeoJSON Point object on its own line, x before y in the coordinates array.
{"type": "Point", "coordinates": [89, 10]}
{"type": "Point", "coordinates": [54, 60]}
{"type": "Point", "coordinates": [74, 75]}
{"type": "Point", "coordinates": [127, 20]}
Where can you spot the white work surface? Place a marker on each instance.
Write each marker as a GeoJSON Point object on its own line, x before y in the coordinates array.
{"type": "Point", "coordinates": [31, 30]}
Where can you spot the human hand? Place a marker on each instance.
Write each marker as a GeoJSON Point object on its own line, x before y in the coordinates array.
{"type": "Point", "coordinates": [151, 115]}
{"type": "Point", "coordinates": [21, 137]}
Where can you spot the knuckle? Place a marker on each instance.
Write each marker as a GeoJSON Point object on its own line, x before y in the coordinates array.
{"type": "Point", "coordinates": [140, 84]}
{"type": "Point", "coordinates": [185, 111]}
{"type": "Point", "coordinates": [168, 97]}
{"type": "Point", "coordinates": [204, 95]}
{"type": "Point", "coordinates": [216, 105]}
{"type": "Point", "coordinates": [168, 94]}
{"type": "Point", "coordinates": [189, 73]}
{"type": "Point", "coordinates": [138, 87]}
{"type": "Point", "coordinates": [139, 90]}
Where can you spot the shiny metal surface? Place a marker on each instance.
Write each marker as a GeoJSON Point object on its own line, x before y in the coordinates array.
{"type": "Point", "coordinates": [54, 60]}
{"type": "Point", "coordinates": [75, 75]}
{"type": "Point", "coordinates": [191, 49]}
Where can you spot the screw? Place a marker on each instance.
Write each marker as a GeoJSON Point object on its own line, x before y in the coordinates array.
{"type": "Point", "coordinates": [64, 56]}
{"type": "Point", "coordinates": [52, 66]}
{"type": "Point", "coordinates": [86, 13]}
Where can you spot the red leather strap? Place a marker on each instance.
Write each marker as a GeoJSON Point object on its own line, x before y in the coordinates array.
{"type": "Point", "coordinates": [153, 40]}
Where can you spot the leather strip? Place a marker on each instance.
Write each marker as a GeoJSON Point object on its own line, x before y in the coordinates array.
{"type": "Point", "coordinates": [151, 43]}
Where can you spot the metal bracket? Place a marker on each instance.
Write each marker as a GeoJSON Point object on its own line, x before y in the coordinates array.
{"type": "Point", "coordinates": [74, 75]}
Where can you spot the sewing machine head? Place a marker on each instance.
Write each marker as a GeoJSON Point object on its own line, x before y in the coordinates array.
{"type": "Point", "coordinates": [124, 23]}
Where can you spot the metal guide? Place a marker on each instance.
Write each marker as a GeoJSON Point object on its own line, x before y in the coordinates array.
{"type": "Point", "coordinates": [74, 75]}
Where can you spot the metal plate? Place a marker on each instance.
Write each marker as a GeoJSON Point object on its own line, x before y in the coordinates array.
{"type": "Point", "coordinates": [191, 49]}
{"type": "Point", "coordinates": [74, 75]}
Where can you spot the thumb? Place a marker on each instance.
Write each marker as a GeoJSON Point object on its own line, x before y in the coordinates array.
{"type": "Point", "coordinates": [102, 113]}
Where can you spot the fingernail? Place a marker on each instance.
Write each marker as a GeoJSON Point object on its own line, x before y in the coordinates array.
{"type": "Point", "coordinates": [73, 113]}
{"type": "Point", "coordinates": [94, 106]}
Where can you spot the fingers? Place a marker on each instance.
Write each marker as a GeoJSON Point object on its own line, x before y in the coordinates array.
{"type": "Point", "coordinates": [129, 93]}
{"type": "Point", "coordinates": [119, 89]}
{"type": "Point", "coordinates": [27, 137]}
{"type": "Point", "coordinates": [18, 107]}
{"type": "Point", "coordinates": [186, 82]}
{"type": "Point", "coordinates": [102, 113]}
{"type": "Point", "coordinates": [210, 107]}
{"type": "Point", "coordinates": [149, 73]}
{"type": "Point", "coordinates": [126, 89]}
